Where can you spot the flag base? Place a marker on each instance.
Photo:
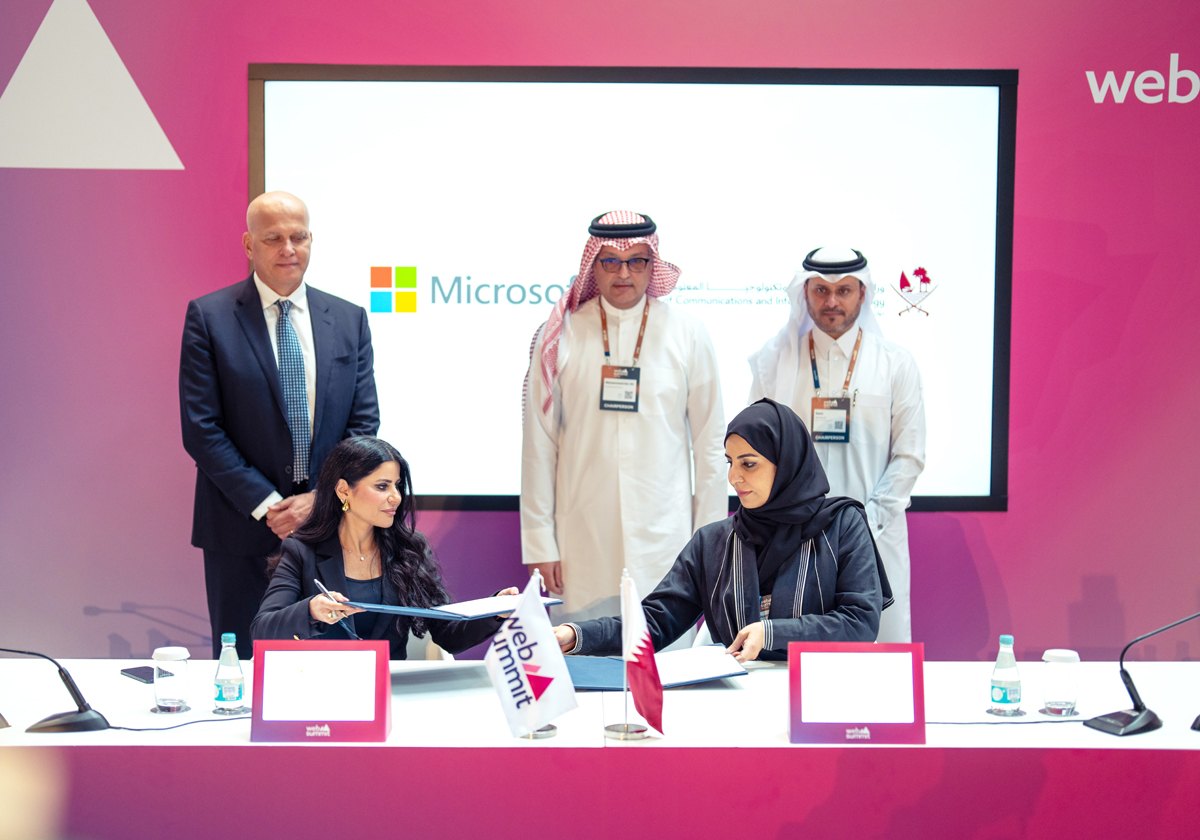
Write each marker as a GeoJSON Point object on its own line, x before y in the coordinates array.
{"type": "Point", "coordinates": [625, 731]}
{"type": "Point", "coordinates": [547, 731]}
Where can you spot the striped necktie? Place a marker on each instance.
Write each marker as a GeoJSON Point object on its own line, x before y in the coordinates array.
{"type": "Point", "coordinates": [295, 395]}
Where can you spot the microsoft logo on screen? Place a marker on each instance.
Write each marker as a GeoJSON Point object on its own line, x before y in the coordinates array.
{"type": "Point", "coordinates": [402, 278]}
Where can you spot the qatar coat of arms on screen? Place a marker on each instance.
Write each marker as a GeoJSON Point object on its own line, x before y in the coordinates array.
{"type": "Point", "coordinates": [914, 292]}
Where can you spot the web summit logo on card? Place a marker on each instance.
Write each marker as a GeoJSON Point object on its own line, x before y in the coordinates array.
{"type": "Point", "coordinates": [401, 278]}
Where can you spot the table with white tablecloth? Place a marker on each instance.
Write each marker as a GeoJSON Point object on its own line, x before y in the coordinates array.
{"type": "Point", "coordinates": [724, 767]}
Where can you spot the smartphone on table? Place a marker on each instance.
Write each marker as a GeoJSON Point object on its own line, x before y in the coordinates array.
{"type": "Point", "coordinates": [142, 673]}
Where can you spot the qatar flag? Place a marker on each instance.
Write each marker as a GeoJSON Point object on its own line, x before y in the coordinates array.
{"type": "Point", "coordinates": [638, 652]}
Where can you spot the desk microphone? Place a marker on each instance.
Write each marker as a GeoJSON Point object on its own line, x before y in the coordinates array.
{"type": "Point", "coordinates": [1139, 718]}
{"type": "Point", "coordinates": [84, 719]}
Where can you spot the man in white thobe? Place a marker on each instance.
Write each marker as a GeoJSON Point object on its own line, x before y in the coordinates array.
{"type": "Point", "coordinates": [612, 439]}
{"type": "Point", "coordinates": [885, 451]}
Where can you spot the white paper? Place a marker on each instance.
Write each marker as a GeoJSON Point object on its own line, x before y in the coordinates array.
{"type": "Point", "coordinates": [856, 687]}
{"type": "Point", "coordinates": [691, 665]}
{"type": "Point", "coordinates": [318, 685]}
{"type": "Point", "coordinates": [494, 605]}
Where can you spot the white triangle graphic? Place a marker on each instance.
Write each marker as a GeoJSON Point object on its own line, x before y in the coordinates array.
{"type": "Point", "coordinates": [73, 105]}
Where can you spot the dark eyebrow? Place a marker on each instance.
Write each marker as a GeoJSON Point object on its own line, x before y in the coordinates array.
{"type": "Point", "coordinates": [748, 455]}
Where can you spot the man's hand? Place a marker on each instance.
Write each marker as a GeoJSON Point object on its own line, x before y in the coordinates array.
{"type": "Point", "coordinates": [287, 515]}
{"type": "Point", "coordinates": [551, 573]}
{"type": "Point", "coordinates": [564, 634]}
{"type": "Point", "coordinates": [748, 643]}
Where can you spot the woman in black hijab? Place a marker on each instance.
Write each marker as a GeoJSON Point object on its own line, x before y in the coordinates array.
{"type": "Point", "coordinates": [790, 565]}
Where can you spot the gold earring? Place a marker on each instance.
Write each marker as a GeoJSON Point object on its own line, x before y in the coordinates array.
{"type": "Point", "coordinates": [345, 505]}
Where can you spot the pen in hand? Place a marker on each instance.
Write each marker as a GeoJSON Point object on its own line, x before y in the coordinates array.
{"type": "Point", "coordinates": [349, 630]}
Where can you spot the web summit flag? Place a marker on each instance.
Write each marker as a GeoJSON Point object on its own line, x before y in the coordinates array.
{"type": "Point", "coordinates": [638, 652]}
{"type": "Point", "coordinates": [527, 666]}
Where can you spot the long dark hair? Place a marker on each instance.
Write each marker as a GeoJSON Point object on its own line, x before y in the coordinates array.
{"type": "Point", "coordinates": [404, 553]}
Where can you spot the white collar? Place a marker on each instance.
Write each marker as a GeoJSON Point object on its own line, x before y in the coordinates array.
{"type": "Point", "coordinates": [824, 341]}
{"type": "Point", "coordinates": [623, 315]}
{"type": "Point", "coordinates": [268, 296]}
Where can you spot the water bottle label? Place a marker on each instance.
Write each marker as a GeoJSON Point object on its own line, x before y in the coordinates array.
{"type": "Point", "coordinates": [229, 693]}
{"type": "Point", "coordinates": [1000, 694]}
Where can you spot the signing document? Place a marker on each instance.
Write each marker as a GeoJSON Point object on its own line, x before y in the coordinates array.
{"type": "Point", "coordinates": [470, 610]}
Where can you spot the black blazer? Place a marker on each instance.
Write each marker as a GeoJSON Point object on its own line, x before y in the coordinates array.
{"type": "Point", "coordinates": [233, 414]}
{"type": "Point", "coordinates": [284, 610]}
{"type": "Point", "coordinates": [829, 592]}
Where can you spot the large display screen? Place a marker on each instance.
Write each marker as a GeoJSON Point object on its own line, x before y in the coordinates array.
{"type": "Point", "coordinates": [456, 210]}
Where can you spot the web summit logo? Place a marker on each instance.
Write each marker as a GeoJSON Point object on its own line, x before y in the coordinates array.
{"type": "Point", "coordinates": [1148, 86]}
{"type": "Point", "coordinates": [522, 677]}
{"type": "Point", "coordinates": [405, 279]}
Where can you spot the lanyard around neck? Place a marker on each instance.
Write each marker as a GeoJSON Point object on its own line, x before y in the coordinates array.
{"type": "Point", "coordinates": [637, 351]}
{"type": "Point", "coordinates": [812, 357]}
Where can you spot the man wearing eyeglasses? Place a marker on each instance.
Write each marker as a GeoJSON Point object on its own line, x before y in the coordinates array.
{"type": "Point", "coordinates": [860, 396]}
{"type": "Point", "coordinates": [622, 405]}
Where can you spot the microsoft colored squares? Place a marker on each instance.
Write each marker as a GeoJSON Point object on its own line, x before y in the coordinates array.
{"type": "Point", "coordinates": [401, 277]}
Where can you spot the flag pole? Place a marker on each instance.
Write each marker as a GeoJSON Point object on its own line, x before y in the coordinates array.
{"type": "Point", "coordinates": [625, 689]}
{"type": "Point", "coordinates": [625, 731]}
{"type": "Point", "coordinates": [549, 730]}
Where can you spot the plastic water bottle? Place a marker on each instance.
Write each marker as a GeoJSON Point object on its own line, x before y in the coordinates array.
{"type": "Point", "coordinates": [1006, 682]}
{"type": "Point", "coordinates": [230, 684]}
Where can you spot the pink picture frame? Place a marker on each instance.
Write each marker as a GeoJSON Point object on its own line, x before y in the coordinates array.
{"type": "Point", "coordinates": [854, 731]}
{"type": "Point", "coordinates": [323, 731]}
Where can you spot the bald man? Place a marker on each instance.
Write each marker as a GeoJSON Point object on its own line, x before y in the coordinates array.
{"type": "Point", "coordinates": [273, 373]}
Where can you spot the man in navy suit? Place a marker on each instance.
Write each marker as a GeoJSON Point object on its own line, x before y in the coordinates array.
{"type": "Point", "coordinates": [273, 373]}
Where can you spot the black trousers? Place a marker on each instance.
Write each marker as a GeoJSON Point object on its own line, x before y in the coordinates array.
{"type": "Point", "coordinates": [235, 584]}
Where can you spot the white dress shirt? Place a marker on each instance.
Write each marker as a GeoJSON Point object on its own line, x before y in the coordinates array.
{"type": "Point", "coordinates": [607, 490]}
{"type": "Point", "coordinates": [301, 318]}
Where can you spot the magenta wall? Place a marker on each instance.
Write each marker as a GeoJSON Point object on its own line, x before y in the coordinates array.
{"type": "Point", "coordinates": [96, 268]}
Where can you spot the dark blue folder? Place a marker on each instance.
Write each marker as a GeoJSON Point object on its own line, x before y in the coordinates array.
{"type": "Point", "coordinates": [604, 673]}
{"type": "Point", "coordinates": [596, 673]}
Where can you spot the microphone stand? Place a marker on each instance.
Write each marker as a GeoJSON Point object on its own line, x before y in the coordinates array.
{"type": "Point", "coordinates": [1138, 719]}
{"type": "Point", "coordinates": [83, 719]}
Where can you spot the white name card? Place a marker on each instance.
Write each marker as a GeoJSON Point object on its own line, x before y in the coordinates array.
{"type": "Point", "coordinates": [318, 685]}
{"type": "Point", "coordinates": [866, 687]}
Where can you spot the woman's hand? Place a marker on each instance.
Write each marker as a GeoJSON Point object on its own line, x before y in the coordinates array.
{"type": "Point", "coordinates": [326, 611]}
{"type": "Point", "coordinates": [512, 590]}
{"type": "Point", "coordinates": [749, 642]}
{"type": "Point", "coordinates": [564, 634]}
